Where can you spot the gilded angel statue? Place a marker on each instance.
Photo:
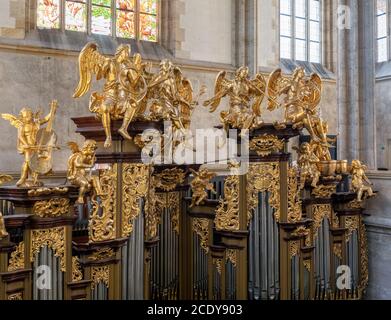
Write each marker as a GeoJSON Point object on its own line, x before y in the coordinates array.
{"type": "Point", "coordinates": [245, 99]}
{"type": "Point", "coordinates": [123, 92]}
{"type": "Point", "coordinates": [80, 164]}
{"type": "Point", "coordinates": [360, 182]}
{"type": "Point", "coordinates": [34, 142]}
{"type": "Point", "coordinates": [308, 165]}
{"type": "Point", "coordinates": [200, 185]}
{"type": "Point", "coordinates": [171, 96]}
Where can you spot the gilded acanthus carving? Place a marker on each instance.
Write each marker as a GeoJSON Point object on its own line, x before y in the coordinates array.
{"type": "Point", "coordinates": [168, 179]}
{"type": "Point", "coordinates": [135, 183]}
{"type": "Point", "coordinates": [294, 248]}
{"type": "Point", "coordinates": [267, 144]}
{"type": "Point", "coordinates": [15, 296]}
{"type": "Point", "coordinates": [319, 212]}
{"type": "Point", "coordinates": [352, 223]}
{"type": "Point", "coordinates": [200, 185]}
{"type": "Point", "coordinates": [307, 265]}
{"type": "Point", "coordinates": [101, 225]}
{"type": "Point", "coordinates": [219, 264]}
{"type": "Point", "coordinates": [100, 274]}
{"type": "Point", "coordinates": [16, 261]}
{"type": "Point", "coordinates": [54, 207]}
{"type": "Point", "coordinates": [174, 205]}
{"type": "Point", "coordinates": [77, 274]}
{"type": "Point", "coordinates": [294, 202]}
{"type": "Point", "coordinates": [263, 177]}
{"type": "Point", "coordinates": [227, 213]}
{"type": "Point", "coordinates": [337, 250]}
{"type": "Point", "coordinates": [324, 191]}
{"type": "Point", "coordinates": [101, 254]}
{"type": "Point", "coordinates": [363, 257]}
{"type": "Point", "coordinates": [53, 238]}
{"type": "Point", "coordinates": [56, 191]}
{"type": "Point", "coordinates": [201, 228]}
{"type": "Point", "coordinates": [232, 256]}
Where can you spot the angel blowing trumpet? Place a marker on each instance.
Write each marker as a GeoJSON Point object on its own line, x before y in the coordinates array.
{"type": "Point", "coordinates": [35, 143]}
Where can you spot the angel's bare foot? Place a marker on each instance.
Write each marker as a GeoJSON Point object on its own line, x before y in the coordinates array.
{"type": "Point", "coordinates": [124, 134]}
{"type": "Point", "coordinates": [107, 142]}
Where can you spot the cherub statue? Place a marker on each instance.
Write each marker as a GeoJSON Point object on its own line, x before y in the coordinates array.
{"type": "Point", "coordinates": [308, 165]}
{"type": "Point", "coordinates": [301, 98]}
{"type": "Point", "coordinates": [200, 185]}
{"type": "Point", "coordinates": [360, 182]}
{"type": "Point", "coordinates": [79, 163]}
{"type": "Point", "coordinates": [34, 142]}
{"type": "Point", "coordinates": [241, 92]}
{"type": "Point", "coordinates": [171, 95]}
{"type": "Point", "coordinates": [3, 232]}
{"type": "Point", "coordinates": [124, 90]}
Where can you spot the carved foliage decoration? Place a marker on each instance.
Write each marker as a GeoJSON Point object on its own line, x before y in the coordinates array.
{"type": "Point", "coordinates": [218, 263]}
{"type": "Point", "coordinates": [337, 250]}
{"type": "Point", "coordinates": [101, 254]}
{"type": "Point", "coordinates": [173, 203]}
{"type": "Point", "coordinates": [227, 213]}
{"type": "Point", "coordinates": [263, 177]}
{"type": "Point", "coordinates": [101, 226]}
{"type": "Point", "coordinates": [352, 223]}
{"type": "Point", "coordinates": [100, 274]}
{"type": "Point", "coordinates": [77, 274]}
{"type": "Point", "coordinates": [294, 248]}
{"type": "Point", "coordinates": [324, 191]}
{"type": "Point", "coordinates": [232, 256]}
{"type": "Point", "coordinates": [168, 179]}
{"type": "Point", "coordinates": [135, 179]}
{"type": "Point", "coordinates": [15, 296]}
{"type": "Point", "coordinates": [319, 212]}
{"type": "Point", "coordinates": [201, 228]}
{"type": "Point", "coordinates": [54, 207]}
{"type": "Point", "coordinates": [53, 238]}
{"type": "Point", "coordinates": [294, 201]}
{"type": "Point", "coordinates": [16, 261]}
{"type": "Point", "coordinates": [364, 276]}
{"type": "Point", "coordinates": [266, 145]}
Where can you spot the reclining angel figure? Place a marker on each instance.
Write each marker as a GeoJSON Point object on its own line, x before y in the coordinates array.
{"type": "Point", "coordinates": [123, 92]}
{"type": "Point", "coordinates": [242, 91]}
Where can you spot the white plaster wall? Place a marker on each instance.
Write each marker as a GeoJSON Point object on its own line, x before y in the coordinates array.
{"type": "Point", "coordinates": [207, 26]}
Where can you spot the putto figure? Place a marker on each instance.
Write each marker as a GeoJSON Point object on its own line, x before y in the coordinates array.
{"type": "Point", "coordinates": [123, 92]}
{"type": "Point", "coordinates": [80, 164]}
{"type": "Point", "coordinates": [300, 97]}
{"type": "Point", "coordinates": [308, 165]}
{"type": "Point", "coordinates": [360, 182]}
{"type": "Point", "coordinates": [171, 96]}
{"type": "Point", "coordinates": [34, 142]}
{"type": "Point", "coordinates": [245, 99]}
{"type": "Point", "coordinates": [200, 185]}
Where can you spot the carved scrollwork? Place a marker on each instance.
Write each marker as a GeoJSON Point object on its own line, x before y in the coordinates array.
{"type": "Point", "coordinates": [101, 254]}
{"type": "Point", "coordinates": [324, 191]}
{"type": "Point", "coordinates": [267, 144]}
{"type": "Point", "coordinates": [101, 225]}
{"type": "Point", "coordinates": [352, 223]}
{"type": "Point", "coordinates": [219, 264]}
{"type": "Point", "coordinates": [15, 296]}
{"type": "Point", "coordinates": [168, 179]}
{"type": "Point", "coordinates": [294, 202]}
{"type": "Point", "coordinates": [294, 248]}
{"type": "Point", "coordinates": [337, 250]}
{"type": "Point", "coordinates": [77, 274]}
{"type": "Point", "coordinates": [227, 213]}
{"type": "Point", "coordinates": [54, 207]}
{"type": "Point", "coordinates": [363, 257]}
{"type": "Point", "coordinates": [135, 180]}
{"type": "Point", "coordinates": [173, 203]}
{"type": "Point", "coordinates": [201, 228]}
{"type": "Point", "coordinates": [53, 238]}
{"type": "Point", "coordinates": [232, 256]}
{"type": "Point", "coordinates": [16, 261]}
{"type": "Point", "coordinates": [100, 274]}
{"type": "Point", "coordinates": [47, 191]}
{"type": "Point", "coordinates": [263, 177]}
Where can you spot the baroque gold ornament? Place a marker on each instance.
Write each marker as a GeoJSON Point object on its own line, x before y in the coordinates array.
{"type": "Point", "coordinates": [360, 182]}
{"type": "Point", "coordinates": [324, 191]}
{"type": "Point", "coordinates": [3, 231]}
{"type": "Point", "coordinates": [294, 202]}
{"type": "Point", "coordinates": [53, 238]}
{"type": "Point", "coordinates": [135, 183]}
{"type": "Point", "coordinates": [125, 89]}
{"type": "Point", "coordinates": [34, 143]}
{"type": "Point", "coordinates": [231, 255]}
{"type": "Point", "coordinates": [100, 274]}
{"type": "Point", "coordinates": [168, 179]}
{"type": "Point", "coordinates": [80, 164]}
{"type": "Point", "coordinates": [267, 144]}
{"type": "Point", "coordinates": [16, 261]}
{"type": "Point", "coordinates": [56, 191]}
{"type": "Point", "coordinates": [77, 274]}
{"type": "Point", "coordinates": [245, 99]}
{"type": "Point", "coordinates": [308, 164]}
{"type": "Point", "coordinates": [201, 228]}
{"type": "Point", "coordinates": [101, 224]}
{"type": "Point", "coordinates": [54, 207]}
{"type": "Point", "coordinates": [200, 185]}
{"type": "Point", "coordinates": [101, 254]}
{"type": "Point", "coordinates": [263, 177]}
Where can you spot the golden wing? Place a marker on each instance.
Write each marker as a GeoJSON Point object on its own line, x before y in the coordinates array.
{"type": "Point", "coordinates": [15, 121]}
{"type": "Point", "coordinates": [275, 84]}
{"type": "Point", "coordinates": [312, 93]}
{"type": "Point", "coordinates": [221, 84]}
{"type": "Point", "coordinates": [91, 61]}
{"type": "Point", "coordinates": [258, 88]}
{"type": "Point", "coordinates": [73, 146]}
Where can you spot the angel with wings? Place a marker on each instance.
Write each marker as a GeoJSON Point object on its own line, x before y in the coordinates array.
{"type": "Point", "coordinates": [200, 185]}
{"type": "Point", "coordinates": [28, 124]}
{"type": "Point", "coordinates": [241, 92]}
{"type": "Point", "coordinates": [79, 165]}
{"type": "Point", "coordinates": [123, 92]}
{"type": "Point", "coordinates": [172, 96]}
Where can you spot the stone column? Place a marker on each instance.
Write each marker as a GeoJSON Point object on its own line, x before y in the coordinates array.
{"type": "Point", "coordinates": [355, 82]}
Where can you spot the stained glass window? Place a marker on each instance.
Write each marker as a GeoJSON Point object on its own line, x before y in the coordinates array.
{"type": "Point", "coordinates": [382, 38]}
{"type": "Point", "coordinates": [300, 30]}
{"type": "Point", "coordinates": [137, 19]}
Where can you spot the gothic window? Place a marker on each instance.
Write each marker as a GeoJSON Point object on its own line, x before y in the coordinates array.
{"type": "Point", "coordinates": [135, 19]}
{"type": "Point", "coordinates": [300, 30]}
{"type": "Point", "coordinates": [382, 18]}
